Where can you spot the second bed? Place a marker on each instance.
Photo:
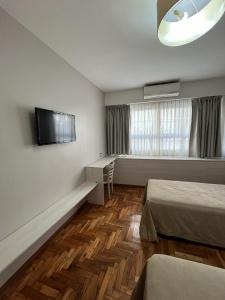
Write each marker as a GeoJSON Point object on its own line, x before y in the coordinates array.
{"type": "Point", "coordinates": [189, 210]}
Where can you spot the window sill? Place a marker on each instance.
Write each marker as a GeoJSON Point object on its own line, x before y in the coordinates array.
{"type": "Point", "coordinates": [219, 159]}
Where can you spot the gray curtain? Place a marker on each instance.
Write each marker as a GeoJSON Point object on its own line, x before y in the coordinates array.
{"type": "Point", "coordinates": [118, 129]}
{"type": "Point", "coordinates": [205, 138]}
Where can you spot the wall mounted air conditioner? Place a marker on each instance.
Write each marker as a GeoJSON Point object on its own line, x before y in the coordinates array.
{"type": "Point", "coordinates": [162, 90]}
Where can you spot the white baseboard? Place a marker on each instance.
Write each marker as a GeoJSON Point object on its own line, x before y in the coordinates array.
{"type": "Point", "coordinates": [18, 247]}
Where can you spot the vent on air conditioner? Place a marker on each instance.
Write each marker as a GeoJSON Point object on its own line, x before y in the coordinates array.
{"type": "Point", "coordinates": [162, 90]}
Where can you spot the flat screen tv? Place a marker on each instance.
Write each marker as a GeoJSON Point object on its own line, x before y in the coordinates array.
{"type": "Point", "coordinates": [54, 127]}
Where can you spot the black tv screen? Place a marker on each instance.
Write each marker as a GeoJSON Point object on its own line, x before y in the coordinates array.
{"type": "Point", "coordinates": [54, 127]}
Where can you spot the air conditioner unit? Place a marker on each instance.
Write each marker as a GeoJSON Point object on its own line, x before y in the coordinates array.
{"type": "Point", "coordinates": [162, 90]}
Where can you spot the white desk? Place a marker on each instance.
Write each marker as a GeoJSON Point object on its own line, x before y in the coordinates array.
{"type": "Point", "coordinates": [94, 172]}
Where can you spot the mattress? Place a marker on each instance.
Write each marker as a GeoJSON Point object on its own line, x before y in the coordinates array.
{"type": "Point", "coordinates": [166, 277]}
{"type": "Point", "coordinates": [189, 210]}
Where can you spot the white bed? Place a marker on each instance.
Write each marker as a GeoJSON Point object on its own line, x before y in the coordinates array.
{"type": "Point", "coordinates": [165, 277]}
{"type": "Point", "coordinates": [189, 210]}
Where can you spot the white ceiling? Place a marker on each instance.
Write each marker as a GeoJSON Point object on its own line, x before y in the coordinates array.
{"type": "Point", "coordinates": [114, 42]}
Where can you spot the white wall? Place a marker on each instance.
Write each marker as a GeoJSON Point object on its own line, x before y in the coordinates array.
{"type": "Point", "coordinates": [199, 88]}
{"type": "Point", "coordinates": [137, 171]}
{"type": "Point", "coordinates": [32, 178]}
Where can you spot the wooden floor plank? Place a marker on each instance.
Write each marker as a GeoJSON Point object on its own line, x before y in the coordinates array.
{"type": "Point", "coordinates": [99, 254]}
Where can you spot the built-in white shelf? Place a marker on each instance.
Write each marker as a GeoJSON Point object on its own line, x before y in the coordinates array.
{"type": "Point", "coordinates": [16, 248]}
{"type": "Point", "coordinates": [18, 242]}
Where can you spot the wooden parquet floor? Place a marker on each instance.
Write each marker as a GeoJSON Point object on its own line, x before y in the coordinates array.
{"type": "Point", "coordinates": [98, 254]}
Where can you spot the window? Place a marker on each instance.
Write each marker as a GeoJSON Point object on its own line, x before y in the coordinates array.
{"type": "Point", "coordinates": [160, 128]}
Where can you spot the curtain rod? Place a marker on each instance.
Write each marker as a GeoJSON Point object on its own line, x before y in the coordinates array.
{"type": "Point", "coordinates": [177, 99]}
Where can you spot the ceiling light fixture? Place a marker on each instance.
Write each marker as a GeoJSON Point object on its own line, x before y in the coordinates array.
{"type": "Point", "coordinates": [183, 21]}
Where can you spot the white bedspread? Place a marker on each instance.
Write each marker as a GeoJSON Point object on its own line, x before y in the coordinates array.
{"type": "Point", "coordinates": [190, 210]}
{"type": "Point", "coordinates": [170, 278]}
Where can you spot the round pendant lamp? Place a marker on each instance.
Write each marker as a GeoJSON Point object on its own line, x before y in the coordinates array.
{"type": "Point", "coordinates": [181, 22]}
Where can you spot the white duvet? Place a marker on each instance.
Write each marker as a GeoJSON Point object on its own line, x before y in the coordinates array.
{"type": "Point", "coordinates": [190, 210]}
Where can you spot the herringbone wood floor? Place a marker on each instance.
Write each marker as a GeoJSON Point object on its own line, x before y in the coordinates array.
{"type": "Point", "coordinates": [98, 254]}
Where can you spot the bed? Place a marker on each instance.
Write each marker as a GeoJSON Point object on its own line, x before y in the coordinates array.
{"type": "Point", "coordinates": [189, 210]}
{"type": "Point", "coordinates": [165, 277]}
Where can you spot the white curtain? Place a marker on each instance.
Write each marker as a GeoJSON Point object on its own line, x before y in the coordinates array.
{"type": "Point", "coordinates": [160, 128]}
